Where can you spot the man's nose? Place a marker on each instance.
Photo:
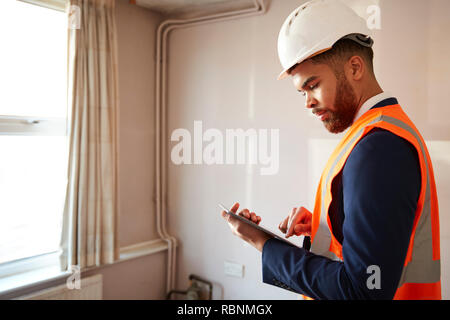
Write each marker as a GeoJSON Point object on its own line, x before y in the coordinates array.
{"type": "Point", "coordinates": [310, 101]}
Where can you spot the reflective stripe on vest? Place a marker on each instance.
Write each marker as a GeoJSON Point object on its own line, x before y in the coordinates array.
{"type": "Point", "coordinates": [420, 277]}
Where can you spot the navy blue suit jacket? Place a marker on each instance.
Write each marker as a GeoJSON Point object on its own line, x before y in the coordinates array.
{"type": "Point", "coordinates": [372, 217]}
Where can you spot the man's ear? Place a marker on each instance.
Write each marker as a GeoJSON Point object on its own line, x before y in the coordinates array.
{"type": "Point", "coordinates": [357, 67]}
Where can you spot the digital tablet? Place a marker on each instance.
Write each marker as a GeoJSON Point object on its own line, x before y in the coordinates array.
{"type": "Point", "coordinates": [270, 233]}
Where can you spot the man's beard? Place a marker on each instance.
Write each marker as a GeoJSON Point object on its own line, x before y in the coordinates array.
{"type": "Point", "coordinates": [345, 103]}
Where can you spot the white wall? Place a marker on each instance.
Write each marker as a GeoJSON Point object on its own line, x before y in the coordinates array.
{"type": "Point", "coordinates": [224, 74]}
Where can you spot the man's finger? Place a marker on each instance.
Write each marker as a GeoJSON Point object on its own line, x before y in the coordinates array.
{"type": "Point", "coordinates": [245, 213]}
{"type": "Point", "coordinates": [302, 229]}
{"type": "Point", "coordinates": [226, 216]}
{"type": "Point", "coordinates": [283, 225]}
{"type": "Point", "coordinates": [294, 219]}
{"type": "Point", "coordinates": [291, 216]}
{"type": "Point", "coordinates": [302, 217]}
{"type": "Point", "coordinates": [235, 207]}
{"type": "Point", "coordinates": [289, 221]}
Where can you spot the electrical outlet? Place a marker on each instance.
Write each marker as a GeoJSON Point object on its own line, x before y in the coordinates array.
{"type": "Point", "coordinates": [234, 269]}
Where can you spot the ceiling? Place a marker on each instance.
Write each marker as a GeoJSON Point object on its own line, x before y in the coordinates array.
{"type": "Point", "coordinates": [183, 7]}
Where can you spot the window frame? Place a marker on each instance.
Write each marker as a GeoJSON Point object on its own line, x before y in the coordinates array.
{"type": "Point", "coordinates": [12, 125]}
{"type": "Point", "coordinates": [44, 260]}
{"type": "Point", "coordinates": [59, 5]}
{"type": "Point", "coordinates": [32, 126]}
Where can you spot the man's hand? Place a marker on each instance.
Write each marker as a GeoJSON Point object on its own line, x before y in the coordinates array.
{"type": "Point", "coordinates": [253, 236]}
{"type": "Point", "coordinates": [298, 223]}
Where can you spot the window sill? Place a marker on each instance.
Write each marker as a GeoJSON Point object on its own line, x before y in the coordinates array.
{"type": "Point", "coordinates": [39, 276]}
{"type": "Point", "coordinates": [142, 249]}
{"type": "Point", "coordinates": [31, 278]}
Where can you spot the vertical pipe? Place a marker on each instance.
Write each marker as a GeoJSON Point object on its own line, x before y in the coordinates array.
{"type": "Point", "coordinates": [161, 56]}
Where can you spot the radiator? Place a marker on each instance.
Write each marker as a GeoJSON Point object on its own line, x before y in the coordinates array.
{"type": "Point", "coordinates": [91, 288]}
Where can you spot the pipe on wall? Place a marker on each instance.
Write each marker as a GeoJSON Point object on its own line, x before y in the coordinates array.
{"type": "Point", "coordinates": [163, 31]}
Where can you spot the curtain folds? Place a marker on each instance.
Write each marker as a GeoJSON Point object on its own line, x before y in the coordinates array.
{"type": "Point", "coordinates": [89, 236]}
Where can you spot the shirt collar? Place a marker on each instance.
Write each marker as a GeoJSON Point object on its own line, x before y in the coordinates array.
{"type": "Point", "coordinates": [372, 102]}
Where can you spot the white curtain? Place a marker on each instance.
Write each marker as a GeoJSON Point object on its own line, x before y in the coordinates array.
{"type": "Point", "coordinates": [89, 236]}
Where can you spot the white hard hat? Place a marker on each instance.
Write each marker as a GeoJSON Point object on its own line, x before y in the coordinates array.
{"type": "Point", "coordinates": [314, 27]}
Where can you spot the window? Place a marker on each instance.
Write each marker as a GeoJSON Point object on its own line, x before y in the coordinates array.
{"type": "Point", "coordinates": [33, 139]}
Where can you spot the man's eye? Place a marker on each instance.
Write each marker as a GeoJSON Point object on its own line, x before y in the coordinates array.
{"type": "Point", "coordinates": [313, 86]}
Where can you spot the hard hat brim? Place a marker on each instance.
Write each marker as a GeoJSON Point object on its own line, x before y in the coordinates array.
{"type": "Point", "coordinates": [284, 74]}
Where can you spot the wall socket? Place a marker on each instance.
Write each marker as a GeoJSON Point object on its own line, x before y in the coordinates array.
{"type": "Point", "coordinates": [233, 269]}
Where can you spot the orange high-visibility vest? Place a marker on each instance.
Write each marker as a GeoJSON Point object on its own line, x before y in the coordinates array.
{"type": "Point", "coordinates": [421, 275]}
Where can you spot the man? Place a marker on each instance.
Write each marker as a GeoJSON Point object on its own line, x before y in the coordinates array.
{"type": "Point", "coordinates": [375, 226]}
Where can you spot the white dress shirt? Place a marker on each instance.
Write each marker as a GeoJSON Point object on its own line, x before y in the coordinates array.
{"type": "Point", "coordinates": [371, 102]}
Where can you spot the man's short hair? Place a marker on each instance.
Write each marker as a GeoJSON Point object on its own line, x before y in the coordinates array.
{"type": "Point", "coordinates": [340, 52]}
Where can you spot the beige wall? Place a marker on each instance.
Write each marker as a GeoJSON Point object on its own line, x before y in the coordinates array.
{"type": "Point", "coordinates": [138, 279]}
{"type": "Point", "coordinates": [136, 30]}
{"type": "Point", "coordinates": [224, 74]}
{"type": "Point", "coordinates": [142, 278]}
